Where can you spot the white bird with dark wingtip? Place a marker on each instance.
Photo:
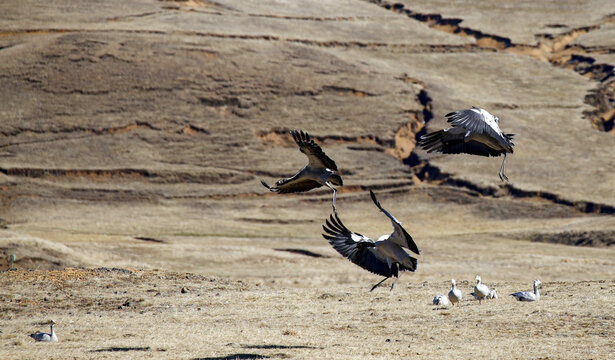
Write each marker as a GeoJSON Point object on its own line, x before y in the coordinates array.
{"type": "Point", "coordinates": [384, 257]}
{"type": "Point", "coordinates": [475, 131]}
{"type": "Point", "coordinates": [52, 337]}
{"type": "Point", "coordinates": [528, 295]}
{"type": "Point", "coordinates": [455, 294]}
{"type": "Point", "coordinates": [319, 171]}
{"type": "Point", "coordinates": [440, 300]}
{"type": "Point", "coordinates": [481, 290]}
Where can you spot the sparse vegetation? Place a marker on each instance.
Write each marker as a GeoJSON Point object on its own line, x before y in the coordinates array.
{"type": "Point", "coordinates": [301, 321]}
{"type": "Point", "coordinates": [133, 135]}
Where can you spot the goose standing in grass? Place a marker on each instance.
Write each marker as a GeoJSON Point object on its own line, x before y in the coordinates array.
{"type": "Point", "coordinates": [319, 171]}
{"type": "Point", "coordinates": [440, 300]}
{"type": "Point", "coordinates": [384, 257]}
{"type": "Point", "coordinates": [492, 295]}
{"type": "Point", "coordinates": [481, 290]}
{"type": "Point", "coordinates": [39, 336]}
{"type": "Point", "coordinates": [475, 131]}
{"type": "Point", "coordinates": [528, 295]}
{"type": "Point", "coordinates": [455, 294]}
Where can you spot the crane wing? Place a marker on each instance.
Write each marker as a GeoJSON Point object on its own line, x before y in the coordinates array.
{"type": "Point", "coordinates": [399, 236]}
{"type": "Point", "coordinates": [355, 247]}
{"type": "Point", "coordinates": [478, 121]}
{"type": "Point", "coordinates": [316, 157]}
{"type": "Point", "coordinates": [292, 185]}
{"type": "Point", "coordinates": [451, 142]}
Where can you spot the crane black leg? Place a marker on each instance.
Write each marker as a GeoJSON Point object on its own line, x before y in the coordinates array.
{"type": "Point", "coordinates": [393, 284]}
{"type": "Point", "coordinates": [381, 281]}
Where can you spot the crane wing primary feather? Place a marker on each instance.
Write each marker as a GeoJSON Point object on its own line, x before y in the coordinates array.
{"type": "Point", "coordinates": [400, 236]}
{"type": "Point", "coordinates": [316, 157]}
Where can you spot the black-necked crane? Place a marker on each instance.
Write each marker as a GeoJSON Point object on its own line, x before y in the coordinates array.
{"type": "Point", "coordinates": [528, 295]}
{"type": "Point", "coordinates": [320, 170]}
{"type": "Point", "coordinates": [385, 257]}
{"type": "Point", "coordinates": [475, 131]}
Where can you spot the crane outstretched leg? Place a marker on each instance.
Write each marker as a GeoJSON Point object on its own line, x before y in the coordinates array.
{"type": "Point", "coordinates": [381, 281]}
{"type": "Point", "coordinates": [503, 176]}
{"type": "Point", "coordinates": [334, 195]}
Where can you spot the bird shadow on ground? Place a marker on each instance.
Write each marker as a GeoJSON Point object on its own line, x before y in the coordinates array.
{"type": "Point", "coordinates": [112, 349]}
{"type": "Point", "coordinates": [275, 346]}
{"type": "Point", "coordinates": [241, 356]}
{"type": "Point", "coordinates": [235, 357]}
{"type": "Point", "coordinates": [303, 252]}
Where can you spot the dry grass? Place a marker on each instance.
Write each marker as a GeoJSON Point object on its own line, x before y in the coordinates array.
{"type": "Point", "coordinates": [138, 138]}
{"type": "Point", "coordinates": [107, 313]}
{"type": "Point", "coordinates": [246, 297]}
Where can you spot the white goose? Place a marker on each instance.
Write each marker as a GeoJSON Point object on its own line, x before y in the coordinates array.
{"type": "Point", "coordinates": [475, 131]}
{"type": "Point", "coordinates": [528, 295]}
{"type": "Point", "coordinates": [455, 294]}
{"type": "Point", "coordinates": [492, 294]}
{"type": "Point", "coordinates": [39, 336]}
{"type": "Point", "coordinates": [481, 290]}
{"type": "Point", "coordinates": [440, 300]}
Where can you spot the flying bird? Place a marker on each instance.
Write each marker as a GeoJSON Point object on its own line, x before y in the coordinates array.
{"type": "Point", "coordinates": [39, 336]}
{"type": "Point", "coordinates": [455, 294]}
{"type": "Point", "coordinates": [528, 295]}
{"type": "Point", "coordinates": [385, 257]}
{"type": "Point", "coordinates": [475, 131]}
{"type": "Point", "coordinates": [320, 170]}
{"type": "Point", "coordinates": [480, 290]}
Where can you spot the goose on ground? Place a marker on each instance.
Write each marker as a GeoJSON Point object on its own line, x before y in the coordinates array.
{"type": "Point", "coordinates": [480, 290]}
{"type": "Point", "coordinates": [440, 300]}
{"type": "Point", "coordinates": [528, 295]}
{"type": "Point", "coordinates": [475, 131]}
{"type": "Point", "coordinates": [455, 294]}
{"type": "Point", "coordinates": [385, 256]}
{"type": "Point", "coordinates": [51, 336]}
{"type": "Point", "coordinates": [492, 294]}
{"type": "Point", "coordinates": [319, 171]}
